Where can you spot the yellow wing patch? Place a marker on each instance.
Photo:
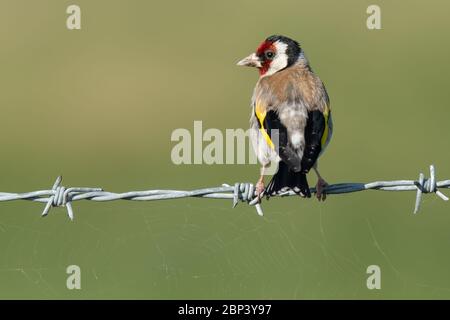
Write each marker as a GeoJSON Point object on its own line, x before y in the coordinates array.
{"type": "Point", "coordinates": [261, 113]}
{"type": "Point", "coordinates": [326, 114]}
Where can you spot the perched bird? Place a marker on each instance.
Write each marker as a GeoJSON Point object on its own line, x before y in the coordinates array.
{"type": "Point", "coordinates": [291, 117]}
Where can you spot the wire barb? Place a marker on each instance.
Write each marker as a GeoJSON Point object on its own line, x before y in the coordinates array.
{"type": "Point", "coordinates": [427, 186]}
{"type": "Point", "coordinates": [60, 196]}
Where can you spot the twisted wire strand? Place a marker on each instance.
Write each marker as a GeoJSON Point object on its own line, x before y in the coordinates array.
{"type": "Point", "coordinates": [60, 196]}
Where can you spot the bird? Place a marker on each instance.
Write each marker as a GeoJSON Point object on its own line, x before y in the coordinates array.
{"type": "Point", "coordinates": [291, 120]}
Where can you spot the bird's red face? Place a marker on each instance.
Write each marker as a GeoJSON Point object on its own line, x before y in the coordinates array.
{"type": "Point", "coordinates": [262, 58]}
{"type": "Point", "coordinates": [272, 55]}
{"type": "Point", "coordinates": [266, 52]}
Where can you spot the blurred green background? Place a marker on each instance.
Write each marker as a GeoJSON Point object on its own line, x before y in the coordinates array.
{"type": "Point", "coordinates": [98, 106]}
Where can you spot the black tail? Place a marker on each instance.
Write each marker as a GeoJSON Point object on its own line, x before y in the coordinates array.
{"type": "Point", "coordinates": [286, 179]}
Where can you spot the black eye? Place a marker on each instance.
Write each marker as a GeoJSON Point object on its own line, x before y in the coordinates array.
{"type": "Point", "coordinates": [269, 54]}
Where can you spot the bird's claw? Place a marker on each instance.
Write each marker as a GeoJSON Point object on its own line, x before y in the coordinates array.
{"type": "Point", "coordinates": [259, 189]}
{"type": "Point", "coordinates": [320, 186]}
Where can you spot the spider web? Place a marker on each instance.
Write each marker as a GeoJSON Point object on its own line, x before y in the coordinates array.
{"type": "Point", "coordinates": [194, 248]}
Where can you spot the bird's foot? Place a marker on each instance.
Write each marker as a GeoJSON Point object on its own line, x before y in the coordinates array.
{"type": "Point", "coordinates": [320, 186]}
{"type": "Point", "coordinates": [259, 189]}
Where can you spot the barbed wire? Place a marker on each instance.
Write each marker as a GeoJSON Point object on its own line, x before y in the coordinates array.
{"type": "Point", "coordinates": [60, 196]}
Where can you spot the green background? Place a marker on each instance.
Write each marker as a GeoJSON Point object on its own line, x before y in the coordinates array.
{"type": "Point", "coordinates": [98, 106]}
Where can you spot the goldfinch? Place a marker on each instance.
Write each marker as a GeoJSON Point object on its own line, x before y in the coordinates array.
{"type": "Point", "coordinates": [291, 117]}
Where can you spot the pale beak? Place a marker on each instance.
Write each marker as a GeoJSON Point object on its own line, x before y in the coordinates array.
{"type": "Point", "coordinates": [250, 61]}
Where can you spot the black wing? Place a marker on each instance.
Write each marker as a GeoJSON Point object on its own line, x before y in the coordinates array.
{"type": "Point", "coordinates": [275, 128]}
{"type": "Point", "coordinates": [314, 132]}
{"type": "Point", "coordinates": [289, 174]}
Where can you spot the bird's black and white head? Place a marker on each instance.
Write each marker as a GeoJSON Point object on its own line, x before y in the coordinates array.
{"type": "Point", "coordinates": [273, 54]}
